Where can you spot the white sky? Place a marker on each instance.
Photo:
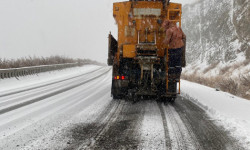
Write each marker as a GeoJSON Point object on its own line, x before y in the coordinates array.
{"type": "Point", "coordinates": [73, 28]}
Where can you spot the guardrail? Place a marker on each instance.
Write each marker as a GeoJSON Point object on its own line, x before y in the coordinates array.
{"type": "Point", "coordinates": [16, 72]}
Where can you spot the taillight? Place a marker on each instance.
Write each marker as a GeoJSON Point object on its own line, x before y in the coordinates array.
{"type": "Point", "coordinates": [119, 77]}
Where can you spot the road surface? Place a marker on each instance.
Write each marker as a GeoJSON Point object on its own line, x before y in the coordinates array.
{"type": "Point", "coordinates": [77, 112]}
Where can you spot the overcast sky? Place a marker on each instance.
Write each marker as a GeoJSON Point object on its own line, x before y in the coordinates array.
{"type": "Point", "coordinates": [72, 28]}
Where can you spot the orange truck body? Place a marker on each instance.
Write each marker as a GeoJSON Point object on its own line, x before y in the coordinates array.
{"type": "Point", "coordinates": [140, 40]}
{"type": "Point", "coordinates": [125, 13]}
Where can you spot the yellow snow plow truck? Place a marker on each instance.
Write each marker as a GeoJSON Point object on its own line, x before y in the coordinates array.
{"type": "Point", "coordinates": [140, 60]}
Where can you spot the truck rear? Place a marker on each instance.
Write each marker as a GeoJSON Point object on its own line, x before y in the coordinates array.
{"type": "Point", "coordinates": [140, 60]}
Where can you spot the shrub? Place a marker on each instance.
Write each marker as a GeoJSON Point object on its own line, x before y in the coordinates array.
{"type": "Point", "coordinates": [229, 85]}
{"type": "Point", "coordinates": [36, 61]}
{"type": "Point", "coordinates": [236, 86]}
{"type": "Point", "coordinates": [212, 66]}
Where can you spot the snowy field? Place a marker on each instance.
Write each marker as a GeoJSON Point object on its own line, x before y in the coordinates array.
{"type": "Point", "coordinates": [73, 109]}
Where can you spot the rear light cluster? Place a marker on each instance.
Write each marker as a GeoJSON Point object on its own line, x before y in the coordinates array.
{"type": "Point", "coordinates": [119, 77]}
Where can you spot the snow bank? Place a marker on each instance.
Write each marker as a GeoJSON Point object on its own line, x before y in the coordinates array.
{"type": "Point", "coordinates": [230, 111]}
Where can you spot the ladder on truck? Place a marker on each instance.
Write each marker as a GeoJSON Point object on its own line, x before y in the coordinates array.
{"type": "Point", "coordinates": [175, 16]}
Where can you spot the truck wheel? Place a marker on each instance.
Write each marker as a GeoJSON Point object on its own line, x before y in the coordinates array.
{"type": "Point", "coordinates": [131, 95]}
{"type": "Point", "coordinates": [171, 99]}
{"type": "Point", "coordinates": [115, 93]}
{"type": "Point", "coordinates": [163, 99]}
{"type": "Point", "coordinates": [115, 96]}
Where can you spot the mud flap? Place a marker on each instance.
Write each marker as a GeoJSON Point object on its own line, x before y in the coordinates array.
{"type": "Point", "coordinates": [119, 88]}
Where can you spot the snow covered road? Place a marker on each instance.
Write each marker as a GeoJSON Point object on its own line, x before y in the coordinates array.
{"type": "Point", "coordinates": [72, 109]}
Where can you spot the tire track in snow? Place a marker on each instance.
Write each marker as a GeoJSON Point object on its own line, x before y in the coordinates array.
{"type": "Point", "coordinates": [47, 95]}
{"type": "Point", "coordinates": [44, 85]}
{"type": "Point", "coordinates": [180, 136]}
{"type": "Point", "coordinates": [109, 120]}
{"type": "Point", "coordinates": [209, 135]}
{"type": "Point", "coordinates": [153, 130]}
{"type": "Point", "coordinates": [49, 116]}
{"type": "Point", "coordinates": [18, 98]}
{"type": "Point", "coordinates": [165, 126]}
{"type": "Point", "coordinates": [85, 135]}
{"type": "Point", "coordinates": [123, 132]}
{"type": "Point", "coordinates": [116, 127]}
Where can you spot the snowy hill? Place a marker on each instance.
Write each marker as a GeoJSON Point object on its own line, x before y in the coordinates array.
{"type": "Point", "coordinates": [218, 44]}
{"type": "Point", "coordinates": [217, 30]}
